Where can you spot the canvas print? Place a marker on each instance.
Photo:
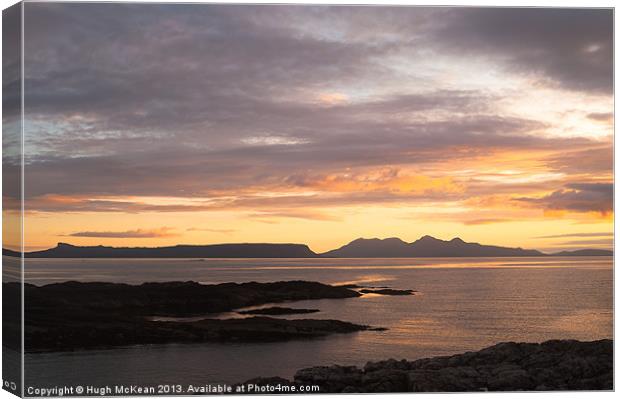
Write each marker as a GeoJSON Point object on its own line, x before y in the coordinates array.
{"type": "Point", "coordinates": [251, 199]}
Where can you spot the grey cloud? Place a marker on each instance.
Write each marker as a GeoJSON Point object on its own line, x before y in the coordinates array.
{"type": "Point", "coordinates": [222, 71]}
{"type": "Point", "coordinates": [288, 206]}
{"type": "Point", "coordinates": [175, 67]}
{"type": "Point", "coordinates": [578, 197]}
{"type": "Point", "coordinates": [183, 171]}
{"type": "Point", "coordinates": [11, 65]}
{"type": "Point", "coordinates": [601, 234]}
{"type": "Point", "coordinates": [125, 99]}
{"type": "Point", "coordinates": [138, 233]}
{"type": "Point", "coordinates": [571, 47]}
{"type": "Point", "coordinates": [607, 241]}
{"type": "Point", "coordinates": [602, 116]}
{"type": "Point", "coordinates": [196, 69]}
{"type": "Point", "coordinates": [594, 157]}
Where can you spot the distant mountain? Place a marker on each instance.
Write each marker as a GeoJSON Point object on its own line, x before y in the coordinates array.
{"type": "Point", "coordinates": [63, 250]}
{"type": "Point", "coordinates": [9, 252]}
{"type": "Point", "coordinates": [372, 248]}
{"type": "Point", "coordinates": [425, 247]}
{"type": "Point", "coordinates": [585, 252]}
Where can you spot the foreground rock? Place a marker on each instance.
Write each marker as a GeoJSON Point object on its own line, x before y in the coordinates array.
{"type": "Point", "coordinates": [175, 299]}
{"type": "Point", "coordinates": [552, 365]}
{"type": "Point", "coordinates": [122, 333]}
{"type": "Point", "coordinates": [74, 315]}
{"type": "Point", "coordinates": [277, 310]}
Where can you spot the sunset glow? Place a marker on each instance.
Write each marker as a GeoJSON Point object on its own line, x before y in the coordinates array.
{"type": "Point", "coordinates": [317, 125]}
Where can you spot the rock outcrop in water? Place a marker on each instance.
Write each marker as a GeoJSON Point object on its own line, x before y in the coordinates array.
{"type": "Point", "coordinates": [552, 365]}
{"type": "Point", "coordinates": [80, 334]}
{"type": "Point", "coordinates": [174, 299]}
{"type": "Point", "coordinates": [73, 315]}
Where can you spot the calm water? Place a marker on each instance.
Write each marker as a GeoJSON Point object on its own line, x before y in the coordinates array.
{"type": "Point", "coordinates": [462, 304]}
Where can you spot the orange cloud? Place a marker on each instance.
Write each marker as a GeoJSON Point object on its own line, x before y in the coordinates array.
{"type": "Point", "coordinates": [475, 222]}
{"type": "Point", "coordinates": [332, 98]}
{"type": "Point", "coordinates": [386, 179]}
{"type": "Point", "coordinates": [296, 214]}
{"type": "Point", "coordinates": [138, 233]}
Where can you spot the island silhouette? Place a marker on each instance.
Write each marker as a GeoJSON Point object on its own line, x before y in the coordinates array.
{"type": "Point", "coordinates": [424, 247]}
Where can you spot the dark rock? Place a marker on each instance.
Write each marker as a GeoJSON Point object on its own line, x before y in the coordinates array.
{"type": "Point", "coordinates": [254, 329]}
{"type": "Point", "coordinates": [73, 315]}
{"type": "Point", "coordinates": [448, 379]}
{"type": "Point", "coordinates": [386, 364]}
{"type": "Point", "coordinates": [510, 376]}
{"type": "Point", "coordinates": [330, 379]}
{"type": "Point", "coordinates": [552, 365]}
{"type": "Point", "coordinates": [385, 380]}
{"type": "Point", "coordinates": [265, 329]}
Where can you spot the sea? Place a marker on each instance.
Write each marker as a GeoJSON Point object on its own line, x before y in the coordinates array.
{"type": "Point", "coordinates": [460, 304]}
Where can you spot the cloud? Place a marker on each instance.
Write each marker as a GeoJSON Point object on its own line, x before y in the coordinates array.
{"type": "Point", "coordinates": [268, 216]}
{"type": "Point", "coordinates": [332, 98]}
{"type": "Point", "coordinates": [384, 179]}
{"type": "Point", "coordinates": [181, 67]}
{"type": "Point", "coordinates": [178, 170]}
{"type": "Point", "coordinates": [11, 68]}
{"type": "Point", "coordinates": [80, 204]}
{"type": "Point", "coordinates": [223, 104]}
{"type": "Point", "coordinates": [273, 140]}
{"type": "Point", "coordinates": [607, 117]}
{"type": "Point", "coordinates": [607, 242]}
{"type": "Point", "coordinates": [475, 222]}
{"type": "Point", "coordinates": [600, 234]}
{"type": "Point", "coordinates": [138, 233]}
{"type": "Point", "coordinates": [577, 197]}
{"type": "Point", "coordinates": [572, 48]}
{"type": "Point", "coordinates": [219, 231]}
{"type": "Point", "coordinates": [595, 158]}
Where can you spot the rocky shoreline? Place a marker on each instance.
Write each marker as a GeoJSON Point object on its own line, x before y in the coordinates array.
{"type": "Point", "coordinates": [556, 365]}
{"type": "Point", "coordinates": [73, 315]}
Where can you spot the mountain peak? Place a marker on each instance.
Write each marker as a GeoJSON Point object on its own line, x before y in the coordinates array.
{"type": "Point", "coordinates": [393, 239]}
{"type": "Point", "coordinates": [375, 239]}
{"type": "Point", "coordinates": [424, 247]}
{"type": "Point", "coordinates": [427, 238]}
{"type": "Point", "coordinates": [372, 248]}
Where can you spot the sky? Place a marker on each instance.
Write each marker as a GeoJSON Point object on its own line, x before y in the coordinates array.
{"type": "Point", "coordinates": [152, 125]}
